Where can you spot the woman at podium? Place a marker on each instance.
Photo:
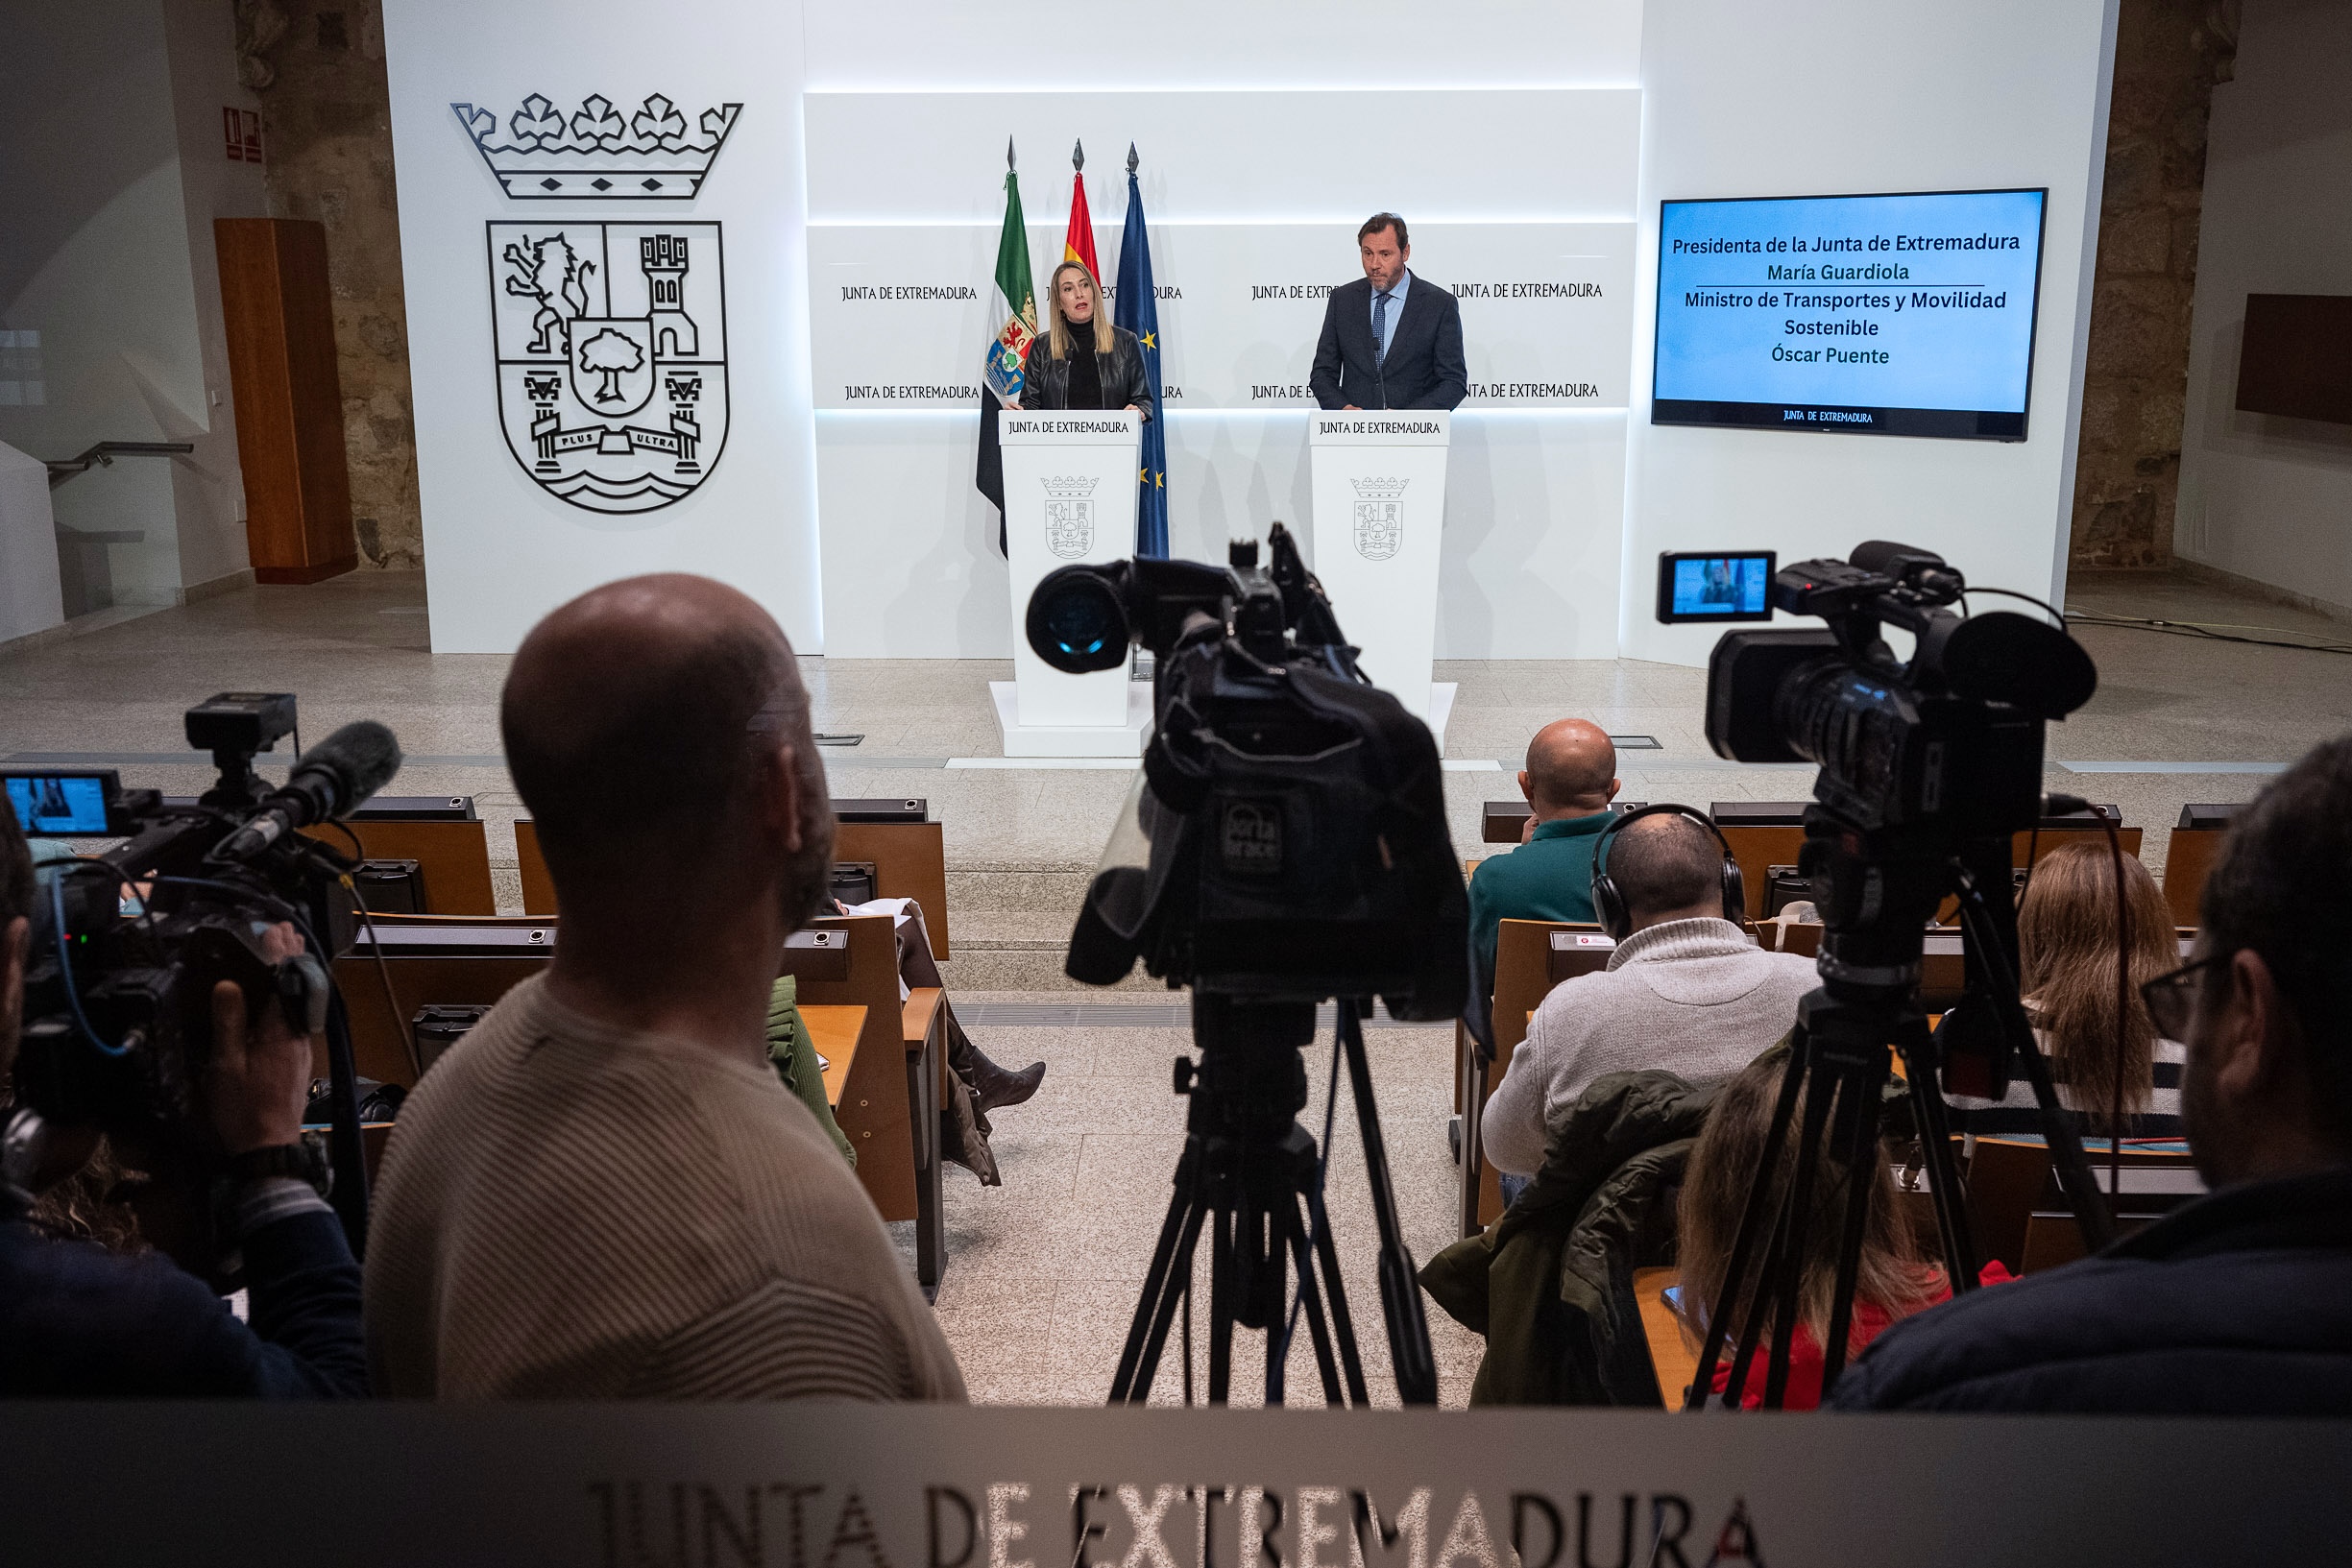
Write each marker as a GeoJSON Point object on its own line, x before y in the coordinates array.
{"type": "Point", "coordinates": [1082, 361]}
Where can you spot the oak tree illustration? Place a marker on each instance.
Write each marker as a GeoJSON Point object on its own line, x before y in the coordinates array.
{"type": "Point", "coordinates": [610, 354]}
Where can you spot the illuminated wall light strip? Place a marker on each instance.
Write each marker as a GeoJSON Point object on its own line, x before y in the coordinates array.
{"type": "Point", "coordinates": [1482, 411]}
{"type": "Point", "coordinates": [996, 89]}
{"type": "Point", "coordinates": [991, 224]}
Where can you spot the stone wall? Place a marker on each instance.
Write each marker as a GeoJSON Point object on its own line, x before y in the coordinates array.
{"type": "Point", "coordinates": [2168, 56]}
{"type": "Point", "coordinates": [327, 130]}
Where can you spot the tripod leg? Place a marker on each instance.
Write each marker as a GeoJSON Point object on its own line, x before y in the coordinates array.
{"type": "Point", "coordinates": [1311, 1306]}
{"type": "Point", "coordinates": [1221, 1307]}
{"type": "Point", "coordinates": [1170, 1272]}
{"type": "Point", "coordinates": [2092, 1215]}
{"type": "Point", "coordinates": [1933, 1119]}
{"type": "Point", "coordinates": [1820, 1094]}
{"type": "Point", "coordinates": [1857, 1139]}
{"type": "Point", "coordinates": [1759, 1312]}
{"type": "Point", "coordinates": [1343, 1324]}
{"type": "Point", "coordinates": [1401, 1290]}
{"type": "Point", "coordinates": [1751, 1223]}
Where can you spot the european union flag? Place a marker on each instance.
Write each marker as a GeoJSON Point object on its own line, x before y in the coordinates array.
{"type": "Point", "coordinates": [1138, 311]}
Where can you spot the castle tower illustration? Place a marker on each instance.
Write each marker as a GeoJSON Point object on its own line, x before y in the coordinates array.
{"type": "Point", "coordinates": [664, 260]}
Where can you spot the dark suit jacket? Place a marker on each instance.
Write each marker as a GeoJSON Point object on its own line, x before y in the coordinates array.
{"type": "Point", "coordinates": [1424, 367]}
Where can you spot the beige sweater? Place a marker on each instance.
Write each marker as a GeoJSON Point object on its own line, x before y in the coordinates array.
{"type": "Point", "coordinates": [574, 1210]}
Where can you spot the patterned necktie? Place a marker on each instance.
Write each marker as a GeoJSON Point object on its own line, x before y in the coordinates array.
{"type": "Point", "coordinates": [1380, 328]}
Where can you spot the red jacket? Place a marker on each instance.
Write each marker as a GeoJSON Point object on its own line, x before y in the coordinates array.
{"type": "Point", "coordinates": [1805, 1361]}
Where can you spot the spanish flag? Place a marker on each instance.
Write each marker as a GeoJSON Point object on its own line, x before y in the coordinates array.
{"type": "Point", "coordinates": [1078, 244]}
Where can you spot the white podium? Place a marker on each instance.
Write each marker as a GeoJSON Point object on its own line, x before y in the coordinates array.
{"type": "Point", "coordinates": [1069, 496]}
{"type": "Point", "coordinates": [1379, 480]}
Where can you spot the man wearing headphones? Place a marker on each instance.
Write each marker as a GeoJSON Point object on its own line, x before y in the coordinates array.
{"type": "Point", "coordinates": [1686, 990]}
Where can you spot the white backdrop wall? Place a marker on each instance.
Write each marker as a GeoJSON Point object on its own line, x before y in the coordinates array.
{"type": "Point", "coordinates": [499, 550]}
{"type": "Point", "coordinates": [1506, 184]}
{"type": "Point", "coordinates": [1863, 96]}
{"type": "Point", "coordinates": [2265, 496]}
{"type": "Point", "coordinates": [861, 529]}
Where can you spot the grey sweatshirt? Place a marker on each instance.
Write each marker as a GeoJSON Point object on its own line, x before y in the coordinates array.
{"type": "Point", "coordinates": [1694, 997]}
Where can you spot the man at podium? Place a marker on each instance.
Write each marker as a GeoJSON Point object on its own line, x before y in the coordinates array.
{"type": "Point", "coordinates": [1389, 340]}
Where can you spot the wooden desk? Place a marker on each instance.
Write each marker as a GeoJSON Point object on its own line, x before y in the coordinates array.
{"type": "Point", "coordinates": [1671, 1357]}
{"type": "Point", "coordinates": [910, 862]}
{"type": "Point", "coordinates": [1757, 849]}
{"type": "Point", "coordinates": [834, 1029]}
{"type": "Point", "coordinates": [923, 1019]}
{"type": "Point", "coordinates": [453, 857]}
{"type": "Point", "coordinates": [2188, 861]}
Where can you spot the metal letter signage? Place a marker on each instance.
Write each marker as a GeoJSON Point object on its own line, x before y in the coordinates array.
{"type": "Point", "coordinates": [1380, 516]}
{"type": "Point", "coordinates": [611, 341]}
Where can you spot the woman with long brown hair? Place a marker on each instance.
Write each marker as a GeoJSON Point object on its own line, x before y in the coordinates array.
{"type": "Point", "coordinates": [2067, 937]}
{"type": "Point", "coordinates": [1081, 360]}
{"type": "Point", "coordinates": [1892, 1281]}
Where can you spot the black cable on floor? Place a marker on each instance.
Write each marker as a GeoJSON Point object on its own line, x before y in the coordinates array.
{"type": "Point", "coordinates": [2210, 632]}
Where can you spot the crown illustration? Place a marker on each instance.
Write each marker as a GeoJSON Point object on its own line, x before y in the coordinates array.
{"type": "Point", "coordinates": [1380, 490]}
{"type": "Point", "coordinates": [596, 152]}
{"type": "Point", "coordinates": [1070, 486]}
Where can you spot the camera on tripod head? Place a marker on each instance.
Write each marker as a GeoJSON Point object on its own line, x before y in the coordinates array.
{"type": "Point", "coordinates": [1285, 842]}
{"type": "Point", "coordinates": [128, 945]}
{"type": "Point", "coordinates": [1928, 767]}
{"type": "Point", "coordinates": [1287, 837]}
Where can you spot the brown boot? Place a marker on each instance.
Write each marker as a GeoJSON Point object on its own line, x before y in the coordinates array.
{"type": "Point", "coordinates": [995, 1088]}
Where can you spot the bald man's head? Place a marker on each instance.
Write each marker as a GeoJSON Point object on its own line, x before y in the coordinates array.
{"type": "Point", "coordinates": [644, 724]}
{"type": "Point", "coordinates": [1572, 769]}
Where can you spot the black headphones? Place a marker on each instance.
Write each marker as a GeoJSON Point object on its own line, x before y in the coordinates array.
{"type": "Point", "coordinates": [1609, 903]}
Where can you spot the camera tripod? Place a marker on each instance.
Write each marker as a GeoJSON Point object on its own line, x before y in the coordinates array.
{"type": "Point", "coordinates": [1251, 1175]}
{"type": "Point", "coordinates": [1868, 1005]}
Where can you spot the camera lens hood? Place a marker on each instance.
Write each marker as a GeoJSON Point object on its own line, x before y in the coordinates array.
{"type": "Point", "coordinates": [1078, 620]}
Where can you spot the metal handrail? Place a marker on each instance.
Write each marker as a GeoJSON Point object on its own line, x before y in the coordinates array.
{"type": "Point", "coordinates": [103, 454]}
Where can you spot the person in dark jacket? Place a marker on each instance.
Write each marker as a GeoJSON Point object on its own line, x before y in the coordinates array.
{"type": "Point", "coordinates": [1082, 360]}
{"type": "Point", "coordinates": [2241, 1303]}
{"type": "Point", "coordinates": [1550, 1285]}
{"type": "Point", "coordinates": [78, 1320]}
{"type": "Point", "coordinates": [1392, 338]}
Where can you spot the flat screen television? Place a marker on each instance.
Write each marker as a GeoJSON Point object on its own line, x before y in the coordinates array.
{"type": "Point", "coordinates": [1906, 315]}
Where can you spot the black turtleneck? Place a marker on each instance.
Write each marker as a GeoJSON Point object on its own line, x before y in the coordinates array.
{"type": "Point", "coordinates": [1086, 372]}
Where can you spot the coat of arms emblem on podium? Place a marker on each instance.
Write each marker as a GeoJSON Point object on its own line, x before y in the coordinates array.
{"type": "Point", "coordinates": [1380, 518]}
{"type": "Point", "coordinates": [1069, 515]}
{"type": "Point", "coordinates": [612, 355]}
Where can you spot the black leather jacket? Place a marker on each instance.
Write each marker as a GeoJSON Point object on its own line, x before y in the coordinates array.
{"type": "Point", "coordinates": [1044, 381]}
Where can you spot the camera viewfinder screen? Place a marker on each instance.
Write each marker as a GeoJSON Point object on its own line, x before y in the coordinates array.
{"type": "Point", "coordinates": [1714, 588]}
{"type": "Point", "coordinates": [60, 802]}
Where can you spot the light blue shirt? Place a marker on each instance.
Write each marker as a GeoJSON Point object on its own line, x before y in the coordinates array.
{"type": "Point", "coordinates": [1386, 331]}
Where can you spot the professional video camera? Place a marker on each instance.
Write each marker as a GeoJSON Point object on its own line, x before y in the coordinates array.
{"type": "Point", "coordinates": [1927, 769]}
{"type": "Point", "coordinates": [1287, 837]}
{"type": "Point", "coordinates": [1285, 842]}
{"type": "Point", "coordinates": [126, 946]}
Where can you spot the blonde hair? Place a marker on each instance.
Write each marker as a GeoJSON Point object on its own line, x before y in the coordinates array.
{"type": "Point", "coordinates": [1105, 338]}
{"type": "Point", "coordinates": [1726, 1158]}
{"type": "Point", "coordinates": [2067, 938]}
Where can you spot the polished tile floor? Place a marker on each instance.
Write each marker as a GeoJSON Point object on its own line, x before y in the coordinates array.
{"type": "Point", "coordinates": [1044, 1270]}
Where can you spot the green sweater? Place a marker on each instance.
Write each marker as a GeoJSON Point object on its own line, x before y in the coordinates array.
{"type": "Point", "coordinates": [1547, 877]}
{"type": "Point", "coordinates": [794, 1058]}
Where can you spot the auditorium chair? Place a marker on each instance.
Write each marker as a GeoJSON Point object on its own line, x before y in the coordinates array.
{"type": "Point", "coordinates": [907, 853]}
{"type": "Point", "coordinates": [890, 1106]}
{"type": "Point", "coordinates": [2189, 857]}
